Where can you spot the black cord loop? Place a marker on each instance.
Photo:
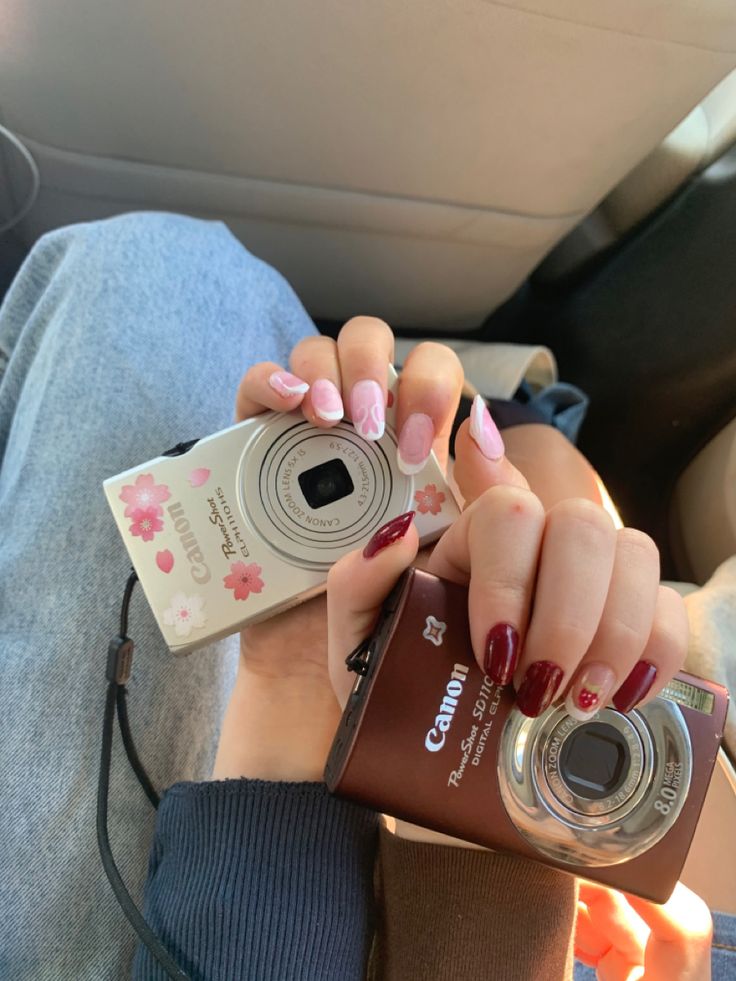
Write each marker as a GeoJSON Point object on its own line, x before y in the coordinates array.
{"type": "Point", "coordinates": [117, 672]}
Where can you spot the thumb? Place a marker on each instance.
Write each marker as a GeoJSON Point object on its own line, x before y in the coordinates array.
{"type": "Point", "coordinates": [357, 585]}
{"type": "Point", "coordinates": [480, 460]}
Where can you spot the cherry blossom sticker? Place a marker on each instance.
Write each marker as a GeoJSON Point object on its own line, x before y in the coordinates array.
{"type": "Point", "coordinates": [143, 501]}
{"type": "Point", "coordinates": [165, 560]}
{"type": "Point", "coordinates": [244, 580]}
{"type": "Point", "coordinates": [429, 500]}
{"type": "Point", "coordinates": [146, 522]}
{"type": "Point", "coordinates": [144, 493]}
{"type": "Point", "coordinates": [185, 614]}
{"type": "Point", "coordinates": [198, 477]}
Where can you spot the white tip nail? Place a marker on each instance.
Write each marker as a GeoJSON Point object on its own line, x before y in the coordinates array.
{"type": "Point", "coordinates": [301, 389]}
{"type": "Point", "coordinates": [329, 416]}
{"type": "Point", "coordinates": [409, 468]}
{"type": "Point", "coordinates": [287, 384]}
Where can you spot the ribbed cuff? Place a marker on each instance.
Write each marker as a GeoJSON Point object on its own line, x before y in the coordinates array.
{"type": "Point", "coordinates": [450, 913]}
{"type": "Point", "coordinates": [259, 880]}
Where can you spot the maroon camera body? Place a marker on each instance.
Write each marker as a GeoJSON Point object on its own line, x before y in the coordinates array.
{"type": "Point", "coordinates": [426, 737]}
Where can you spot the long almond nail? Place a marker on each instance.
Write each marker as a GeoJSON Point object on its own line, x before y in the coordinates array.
{"type": "Point", "coordinates": [541, 681]}
{"type": "Point", "coordinates": [387, 534]}
{"type": "Point", "coordinates": [635, 687]}
{"type": "Point", "coordinates": [415, 443]}
{"type": "Point", "coordinates": [287, 385]}
{"type": "Point", "coordinates": [367, 410]}
{"type": "Point", "coordinates": [485, 431]}
{"type": "Point", "coordinates": [326, 400]}
{"type": "Point", "coordinates": [501, 653]}
{"type": "Point", "coordinates": [591, 689]}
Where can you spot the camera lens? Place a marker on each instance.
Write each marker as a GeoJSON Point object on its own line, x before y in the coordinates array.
{"type": "Point", "coordinates": [595, 760]}
{"type": "Point", "coordinates": [586, 793]}
{"type": "Point", "coordinates": [325, 484]}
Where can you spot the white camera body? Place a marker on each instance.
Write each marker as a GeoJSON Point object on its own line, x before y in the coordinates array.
{"type": "Point", "coordinates": [248, 521]}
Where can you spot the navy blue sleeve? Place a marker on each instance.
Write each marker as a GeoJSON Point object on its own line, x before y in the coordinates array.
{"type": "Point", "coordinates": [256, 880]}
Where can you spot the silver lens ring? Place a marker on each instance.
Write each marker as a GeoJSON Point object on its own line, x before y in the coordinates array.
{"type": "Point", "coordinates": [274, 503]}
{"type": "Point", "coordinates": [563, 827]}
{"type": "Point", "coordinates": [291, 523]}
{"type": "Point", "coordinates": [553, 785]}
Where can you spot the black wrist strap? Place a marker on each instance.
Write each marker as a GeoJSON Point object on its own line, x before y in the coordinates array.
{"type": "Point", "coordinates": [119, 661]}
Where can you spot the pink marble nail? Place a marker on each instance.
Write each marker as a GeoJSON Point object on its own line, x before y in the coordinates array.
{"type": "Point", "coordinates": [287, 384]}
{"type": "Point", "coordinates": [415, 443]}
{"type": "Point", "coordinates": [366, 409]}
{"type": "Point", "coordinates": [590, 690]}
{"type": "Point", "coordinates": [326, 400]}
{"type": "Point", "coordinates": [484, 431]}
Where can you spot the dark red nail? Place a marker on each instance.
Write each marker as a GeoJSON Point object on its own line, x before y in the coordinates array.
{"type": "Point", "coordinates": [638, 682]}
{"type": "Point", "coordinates": [502, 653]}
{"type": "Point", "coordinates": [388, 534]}
{"type": "Point", "coordinates": [538, 688]}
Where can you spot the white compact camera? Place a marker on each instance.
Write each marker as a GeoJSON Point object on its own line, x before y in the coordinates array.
{"type": "Point", "coordinates": [247, 522]}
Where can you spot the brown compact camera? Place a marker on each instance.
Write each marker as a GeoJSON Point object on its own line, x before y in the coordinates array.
{"type": "Point", "coordinates": [427, 737]}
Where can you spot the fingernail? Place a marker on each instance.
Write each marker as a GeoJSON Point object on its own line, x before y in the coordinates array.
{"type": "Point", "coordinates": [485, 431]}
{"type": "Point", "coordinates": [366, 409]}
{"type": "Point", "coordinates": [635, 687]}
{"type": "Point", "coordinates": [415, 443]}
{"type": "Point", "coordinates": [591, 689]}
{"type": "Point", "coordinates": [388, 534]}
{"type": "Point", "coordinates": [287, 384]}
{"type": "Point", "coordinates": [541, 681]}
{"type": "Point", "coordinates": [501, 654]}
{"type": "Point", "coordinates": [326, 400]}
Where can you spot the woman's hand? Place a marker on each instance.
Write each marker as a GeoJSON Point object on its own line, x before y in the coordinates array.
{"type": "Point", "coordinates": [559, 601]}
{"type": "Point", "coordinates": [283, 712]}
{"type": "Point", "coordinates": [625, 938]}
{"type": "Point", "coordinates": [331, 379]}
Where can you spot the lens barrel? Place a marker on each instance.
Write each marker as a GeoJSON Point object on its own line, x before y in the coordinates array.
{"type": "Point", "coordinates": [598, 792]}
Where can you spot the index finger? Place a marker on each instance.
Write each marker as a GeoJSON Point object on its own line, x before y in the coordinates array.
{"type": "Point", "coordinates": [494, 545]}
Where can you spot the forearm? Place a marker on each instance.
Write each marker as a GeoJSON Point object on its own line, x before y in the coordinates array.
{"type": "Point", "coordinates": [276, 730]}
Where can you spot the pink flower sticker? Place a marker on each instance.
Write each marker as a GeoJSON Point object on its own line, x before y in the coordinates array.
{"type": "Point", "coordinates": [244, 580]}
{"type": "Point", "coordinates": [199, 477]}
{"type": "Point", "coordinates": [144, 493]}
{"type": "Point", "coordinates": [146, 522]}
{"type": "Point", "coordinates": [165, 560]}
{"type": "Point", "coordinates": [429, 500]}
{"type": "Point", "coordinates": [185, 614]}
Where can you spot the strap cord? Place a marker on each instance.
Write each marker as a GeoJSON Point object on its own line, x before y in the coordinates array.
{"type": "Point", "coordinates": [119, 660]}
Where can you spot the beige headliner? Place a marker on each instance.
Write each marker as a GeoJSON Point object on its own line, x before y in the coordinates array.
{"type": "Point", "coordinates": [410, 159]}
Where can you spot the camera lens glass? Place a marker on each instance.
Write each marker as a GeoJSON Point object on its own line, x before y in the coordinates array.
{"type": "Point", "coordinates": [326, 483]}
{"type": "Point", "coordinates": [595, 760]}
